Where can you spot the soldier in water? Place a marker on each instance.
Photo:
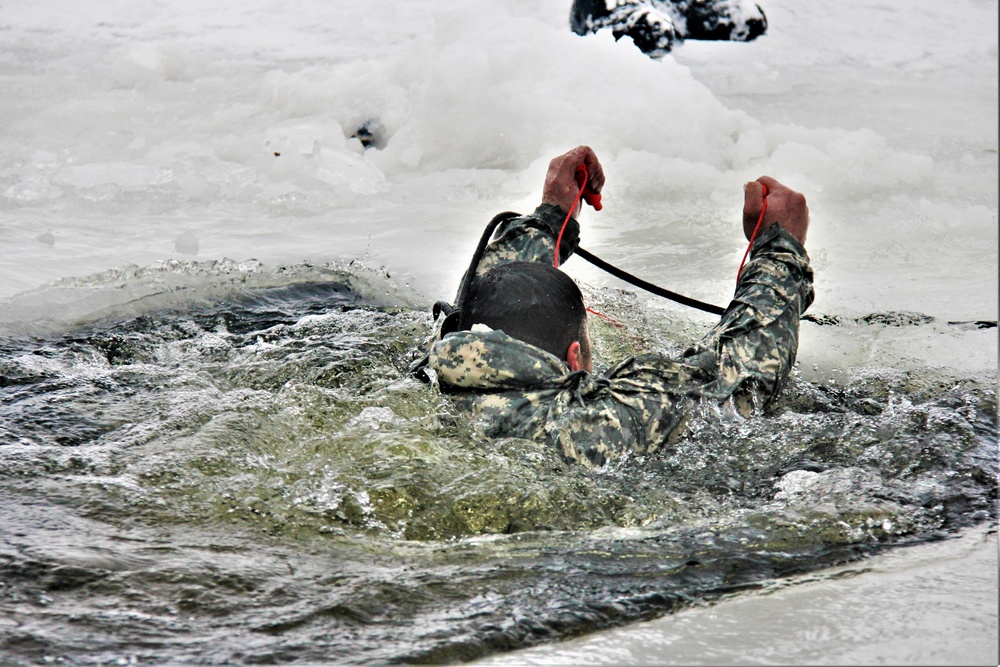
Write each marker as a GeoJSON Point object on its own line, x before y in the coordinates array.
{"type": "Point", "coordinates": [517, 349]}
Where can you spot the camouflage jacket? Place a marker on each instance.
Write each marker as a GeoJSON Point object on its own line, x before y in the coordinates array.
{"type": "Point", "coordinates": [643, 403]}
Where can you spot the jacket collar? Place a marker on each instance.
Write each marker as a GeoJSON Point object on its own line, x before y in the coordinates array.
{"type": "Point", "coordinates": [492, 360]}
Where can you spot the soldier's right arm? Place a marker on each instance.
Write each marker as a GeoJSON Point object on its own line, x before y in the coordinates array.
{"type": "Point", "coordinates": [532, 238]}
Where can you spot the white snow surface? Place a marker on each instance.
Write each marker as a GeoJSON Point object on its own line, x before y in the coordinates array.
{"type": "Point", "coordinates": [145, 131]}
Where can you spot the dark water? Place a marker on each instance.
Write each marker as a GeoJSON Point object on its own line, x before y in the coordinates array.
{"type": "Point", "coordinates": [244, 474]}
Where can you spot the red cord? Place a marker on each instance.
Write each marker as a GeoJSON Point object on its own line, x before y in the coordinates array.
{"type": "Point", "coordinates": [583, 186]}
{"type": "Point", "coordinates": [753, 236]}
{"type": "Point", "coordinates": [605, 317]}
{"type": "Point", "coordinates": [594, 199]}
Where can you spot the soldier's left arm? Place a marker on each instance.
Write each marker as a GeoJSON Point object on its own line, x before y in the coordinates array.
{"type": "Point", "coordinates": [754, 346]}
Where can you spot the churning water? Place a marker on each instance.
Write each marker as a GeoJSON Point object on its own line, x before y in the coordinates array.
{"type": "Point", "coordinates": [222, 460]}
{"type": "Point", "coordinates": [245, 473]}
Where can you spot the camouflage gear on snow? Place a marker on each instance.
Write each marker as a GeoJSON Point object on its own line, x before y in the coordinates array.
{"type": "Point", "coordinates": [642, 404]}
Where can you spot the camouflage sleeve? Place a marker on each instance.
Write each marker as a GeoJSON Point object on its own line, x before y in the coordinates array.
{"type": "Point", "coordinates": [753, 346]}
{"type": "Point", "coordinates": [531, 238]}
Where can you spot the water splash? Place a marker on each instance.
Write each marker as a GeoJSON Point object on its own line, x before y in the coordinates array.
{"type": "Point", "coordinates": [247, 453]}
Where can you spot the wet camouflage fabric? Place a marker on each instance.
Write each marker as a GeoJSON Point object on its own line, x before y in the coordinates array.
{"type": "Point", "coordinates": [531, 238]}
{"type": "Point", "coordinates": [643, 403]}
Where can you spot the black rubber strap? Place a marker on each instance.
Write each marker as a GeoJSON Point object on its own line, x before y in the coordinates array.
{"type": "Point", "coordinates": [649, 287]}
{"type": "Point", "coordinates": [891, 319]}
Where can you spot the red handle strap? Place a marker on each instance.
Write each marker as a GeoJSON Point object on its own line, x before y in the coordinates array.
{"type": "Point", "coordinates": [753, 236]}
{"type": "Point", "coordinates": [588, 195]}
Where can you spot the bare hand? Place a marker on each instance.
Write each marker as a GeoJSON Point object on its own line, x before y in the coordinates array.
{"type": "Point", "coordinates": [561, 187]}
{"type": "Point", "coordinates": [785, 207]}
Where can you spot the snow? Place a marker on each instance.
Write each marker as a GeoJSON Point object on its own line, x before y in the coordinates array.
{"type": "Point", "coordinates": [139, 132]}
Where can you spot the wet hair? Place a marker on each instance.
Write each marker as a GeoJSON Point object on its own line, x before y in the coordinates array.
{"type": "Point", "coordinates": [533, 302]}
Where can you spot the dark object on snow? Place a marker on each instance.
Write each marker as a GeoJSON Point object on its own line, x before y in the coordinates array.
{"type": "Point", "coordinates": [370, 134]}
{"type": "Point", "coordinates": [655, 25]}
